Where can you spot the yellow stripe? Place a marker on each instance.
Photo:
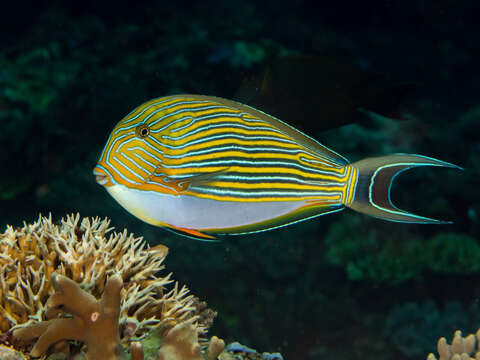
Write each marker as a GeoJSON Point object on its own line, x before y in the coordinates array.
{"type": "Point", "coordinates": [192, 114]}
{"type": "Point", "coordinates": [156, 107]}
{"type": "Point", "coordinates": [251, 170]}
{"type": "Point", "coordinates": [198, 124]}
{"type": "Point", "coordinates": [353, 183]}
{"type": "Point", "coordinates": [222, 130]}
{"type": "Point", "coordinates": [227, 141]}
{"type": "Point", "coordinates": [143, 106]}
{"type": "Point", "coordinates": [344, 189]}
{"type": "Point", "coordinates": [273, 185]}
{"type": "Point", "coordinates": [334, 199]}
{"type": "Point", "coordinates": [237, 154]}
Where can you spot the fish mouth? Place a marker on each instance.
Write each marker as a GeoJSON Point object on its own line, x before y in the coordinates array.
{"type": "Point", "coordinates": [101, 176]}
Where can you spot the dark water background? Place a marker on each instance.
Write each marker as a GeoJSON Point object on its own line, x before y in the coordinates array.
{"type": "Point", "coordinates": [343, 286]}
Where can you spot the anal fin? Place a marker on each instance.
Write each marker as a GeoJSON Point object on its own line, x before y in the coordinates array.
{"type": "Point", "coordinates": [190, 233]}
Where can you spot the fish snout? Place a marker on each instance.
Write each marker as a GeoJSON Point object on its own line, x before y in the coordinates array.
{"type": "Point", "coordinates": [101, 177]}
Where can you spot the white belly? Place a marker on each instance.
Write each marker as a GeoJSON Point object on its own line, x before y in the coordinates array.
{"type": "Point", "coordinates": [190, 212]}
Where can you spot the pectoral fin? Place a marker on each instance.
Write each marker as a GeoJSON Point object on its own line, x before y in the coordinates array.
{"type": "Point", "coordinates": [185, 183]}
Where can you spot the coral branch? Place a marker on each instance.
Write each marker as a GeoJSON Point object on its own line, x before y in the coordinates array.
{"type": "Point", "coordinates": [215, 348]}
{"type": "Point", "coordinates": [462, 348]}
{"type": "Point", "coordinates": [93, 322]}
{"type": "Point", "coordinates": [181, 343]}
{"type": "Point", "coordinates": [136, 351]}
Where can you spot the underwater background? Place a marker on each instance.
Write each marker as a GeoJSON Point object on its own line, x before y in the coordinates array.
{"type": "Point", "coordinates": [343, 286]}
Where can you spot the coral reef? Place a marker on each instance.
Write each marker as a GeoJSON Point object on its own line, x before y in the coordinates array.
{"type": "Point", "coordinates": [462, 348]}
{"type": "Point", "coordinates": [38, 261]}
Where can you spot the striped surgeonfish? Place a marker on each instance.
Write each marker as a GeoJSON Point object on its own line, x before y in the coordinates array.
{"type": "Point", "coordinates": [202, 166]}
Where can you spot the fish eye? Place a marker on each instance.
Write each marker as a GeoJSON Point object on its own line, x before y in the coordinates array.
{"type": "Point", "coordinates": [142, 131]}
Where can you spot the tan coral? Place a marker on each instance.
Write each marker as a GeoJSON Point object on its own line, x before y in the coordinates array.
{"type": "Point", "coordinates": [91, 321]}
{"type": "Point", "coordinates": [462, 348]}
{"type": "Point", "coordinates": [136, 351]}
{"type": "Point", "coordinates": [181, 343]}
{"type": "Point", "coordinates": [215, 348]}
{"type": "Point", "coordinates": [7, 353]}
{"type": "Point", "coordinates": [88, 251]}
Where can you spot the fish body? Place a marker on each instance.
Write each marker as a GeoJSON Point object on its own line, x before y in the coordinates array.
{"type": "Point", "coordinates": [202, 165]}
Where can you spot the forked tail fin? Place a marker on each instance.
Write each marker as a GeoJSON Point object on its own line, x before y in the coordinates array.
{"type": "Point", "coordinates": [374, 181]}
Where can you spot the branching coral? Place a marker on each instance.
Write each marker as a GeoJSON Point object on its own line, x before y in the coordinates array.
{"type": "Point", "coordinates": [88, 252]}
{"type": "Point", "coordinates": [462, 348]}
{"type": "Point", "coordinates": [74, 314]}
{"type": "Point", "coordinates": [93, 322]}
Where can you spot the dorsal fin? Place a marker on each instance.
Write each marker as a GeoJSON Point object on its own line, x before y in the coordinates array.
{"type": "Point", "coordinates": [306, 141]}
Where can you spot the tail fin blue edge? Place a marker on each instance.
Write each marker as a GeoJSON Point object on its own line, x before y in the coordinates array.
{"type": "Point", "coordinates": [374, 183]}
